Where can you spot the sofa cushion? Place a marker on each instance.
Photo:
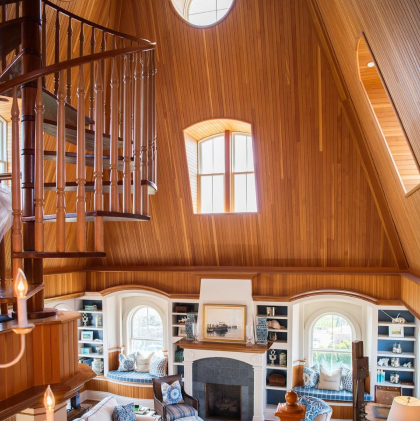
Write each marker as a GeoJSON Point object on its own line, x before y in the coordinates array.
{"type": "Point", "coordinates": [143, 362]}
{"type": "Point", "coordinates": [329, 395]}
{"type": "Point", "coordinates": [130, 376]}
{"type": "Point", "coordinates": [175, 412]}
{"type": "Point", "coordinates": [171, 393]}
{"type": "Point", "coordinates": [314, 407]}
{"type": "Point", "coordinates": [329, 381]}
{"type": "Point", "coordinates": [127, 363]}
{"type": "Point", "coordinates": [158, 366]}
{"type": "Point", "coordinates": [102, 411]}
{"type": "Point", "coordinates": [124, 413]}
{"type": "Point", "coordinates": [347, 379]}
{"type": "Point", "coordinates": [310, 376]}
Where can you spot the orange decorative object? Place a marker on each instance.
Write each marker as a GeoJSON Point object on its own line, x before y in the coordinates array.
{"type": "Point", "coordinates": [290, 411]}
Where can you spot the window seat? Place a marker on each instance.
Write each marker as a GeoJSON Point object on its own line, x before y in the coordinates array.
{"type": "Point", "coordinates": [329, 395]}
{"type": "Point", "coordinates": [131, 376]}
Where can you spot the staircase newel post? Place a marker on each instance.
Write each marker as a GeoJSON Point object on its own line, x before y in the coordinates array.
{"type": "Point", "coordinates": [81, 165]}
{"type": "Point", "coordinates": [16, 190]}
{"type": "Point", "coordinates": [137, 146]}
{"type": "Point", "coordinates": [61, 166]}
{"type": "Point", "coordinates": [39, 170]}
{"type": "Point", "coordinates": [57, 50]}
{"type": "Point", "coordinates": [113, 197]}
{"type": "Point", "coordinates": [98, 166]}
{"type": "Point", "coordinates": [127, 137]}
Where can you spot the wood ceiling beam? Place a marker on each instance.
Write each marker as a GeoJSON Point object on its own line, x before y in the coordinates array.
{"type": "Point", "coordinates": [362, 146]}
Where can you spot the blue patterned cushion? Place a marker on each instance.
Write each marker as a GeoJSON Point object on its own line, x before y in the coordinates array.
{"type": "Point", "coordinates": [130, 376]}
{"type": "Point", "coordinates": [126, 362]}
{"type": "Point", "coordinates": [124, 413]}
{"type": "Point", "coordinates": [175, 412]}
{"type": "Point", "coordinates": [171, 393]}
{"type": "Point", "coordinates": [158, 366]}
{"type": "Point", "coordinates": [347, 379]}
{"type": "Point", "coordinates": [314, 407]}
{"type": "Point", "coordinates": [329, 395]}
{"type": "Point", "coordinates": [310, 376]}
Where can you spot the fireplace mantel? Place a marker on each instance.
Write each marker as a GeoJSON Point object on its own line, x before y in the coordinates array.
{"type": "Point", "coordinates": [225, 347]}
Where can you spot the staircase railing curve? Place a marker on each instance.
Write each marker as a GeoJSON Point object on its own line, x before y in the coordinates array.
{"type": "Point", "coordinates": [138, 142]}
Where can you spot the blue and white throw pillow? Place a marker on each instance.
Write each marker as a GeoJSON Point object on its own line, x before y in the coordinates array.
{"type": "Point", "coordinates": [127, 363]}
{"type": "Point", "coordinates": [158, 366]}
{"type": "Point", "coordinates": [347, 379]}
{"type": "Point", "coordinates": [310, 376]}
{"type": "Point", "coordinates": [171, 393]}
{"type": "Point", "coordinates": [314, 407]}
{"type": "Point", "coordinates": [124, 413]}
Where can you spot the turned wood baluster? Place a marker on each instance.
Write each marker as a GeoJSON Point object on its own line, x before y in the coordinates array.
{"type": "Point", "coordinates": [57, 50]}
{"type": "Point", "coordinates": [61, 166]}
{"type": "Point", "coordinates": [127, 137]}
{"type": "Point", "coordinates": [3, 307]}
{"type": "Point", "coordinates": [81, 165]}
{"type": "Point", "coordinates": [69, 47]}
{"type": "Point", "coordinates": [82, 40]}
{"type": "Point", "coordinates": [154, 134]}
{"type": "Point", "coordinates": [137, 145]}
{"type": "Point", "coordinates": [121, 99]}
{"type": "Point", "coordinates": [39, 170]}
{"type": "Point", "coordinates": [143, 134]}
{"type": "Point", "coordinates": [113, 197]}
{"type": "Point", "coordinates": [150, 117]}
{"type": "Point", "coordinates": [92, 79]}
{"type": "Point", "coordinates": [44, 40]}
{"type": "Point", "coordinates": [16, 187]}
{"type": "Point", "coordinates": [17, 49]}
{"type": "Point", "coordinates": [98, 164]}
{"type": "Point", "coordinates": [103, 48]}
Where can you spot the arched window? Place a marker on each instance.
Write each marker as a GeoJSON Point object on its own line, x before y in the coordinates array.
{"type": "Point", "coordinates": [207, 12]}
{"type": "Point", "coordinates": [226, 173]}
{"type": "Point", "coordinates": [3, 146]}
{"type": "Point", "coordinates": [146, 330]}
{"type": "Point", "coordinates": [330, 340]}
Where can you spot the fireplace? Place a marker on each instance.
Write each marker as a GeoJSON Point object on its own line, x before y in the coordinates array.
{"type": "Point", "coordinates": [223, 402]}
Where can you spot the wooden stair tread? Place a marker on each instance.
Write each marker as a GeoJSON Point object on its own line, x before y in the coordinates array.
{"type": "Point", "coordinates": [71, 158]}
{"type": "Point", "coordinates": [13, 69]}
{"type": "Point", "coordinates": [10, 35]}
{"type": "Point", "coordinates": [90, 216]}
{"type": "Point", "coordinates": [71, 186]}
{"type": "Point", "coordinates": [58, 255]}
{"type": "Point", "coordinates": [50, 110]}
{"type": "Point", "coordinates": [50, 127]}
{"type": "Point", "coordinates": [6, 293]}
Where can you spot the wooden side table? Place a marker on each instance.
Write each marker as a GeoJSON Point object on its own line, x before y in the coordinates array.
{"type": "Point", "coordinates": [377, 411]}
{"type": "Point", "coordinates": [290, 411]}
{"type": "Point", "coordinates": [78, 412]}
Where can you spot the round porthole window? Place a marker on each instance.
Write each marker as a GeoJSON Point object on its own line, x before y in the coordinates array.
{"type": "Point", "coordinates": [202, 12]}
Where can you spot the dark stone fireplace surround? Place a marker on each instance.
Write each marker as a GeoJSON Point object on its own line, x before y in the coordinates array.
{"type": "Point", "coordinates": [224, 371]}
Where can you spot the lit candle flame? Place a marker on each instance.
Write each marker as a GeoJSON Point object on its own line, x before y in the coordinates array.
{"type": "Point", "coordinates": [49, 401]}
{"type": "Point", "coordinates": [21, 285]}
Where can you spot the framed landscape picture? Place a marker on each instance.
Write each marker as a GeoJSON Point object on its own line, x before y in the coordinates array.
{"type": "Point", "coordinates": [224, 323]}
{"type": "Point", "coordinates": [396, 331]}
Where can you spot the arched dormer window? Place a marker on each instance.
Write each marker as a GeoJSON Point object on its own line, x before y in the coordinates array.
{"type": "Point", "coordinates": [145, 329]}
{"type": "Point", "coordinates": [330, 341]}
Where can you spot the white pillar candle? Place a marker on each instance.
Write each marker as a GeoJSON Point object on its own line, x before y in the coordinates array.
{"type": "Point", "coordinates": [21, 312]}
{"type": "Point", "coordinates": [50, 415]}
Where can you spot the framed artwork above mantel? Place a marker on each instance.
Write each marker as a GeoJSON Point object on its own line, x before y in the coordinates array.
{"type": "Point", "coordinates": [224, 323]}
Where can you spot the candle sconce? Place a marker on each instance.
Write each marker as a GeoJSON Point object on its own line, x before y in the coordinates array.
{"type": "Point", "coordinates": [20, 289]}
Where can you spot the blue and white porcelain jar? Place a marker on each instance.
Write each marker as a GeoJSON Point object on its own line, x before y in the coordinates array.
{"type": "Point", "coordinates": [262, 330]}
{"type": "Point", "coordinates": [191, 319]}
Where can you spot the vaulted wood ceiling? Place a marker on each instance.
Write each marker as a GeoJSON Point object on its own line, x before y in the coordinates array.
{"type": "Point", "coordinates": [263, 64]}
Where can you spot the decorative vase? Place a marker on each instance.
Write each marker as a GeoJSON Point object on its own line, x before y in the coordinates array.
{"type": "Point", "coordinates": [98, 366]}
{"type": "Point", "coordinates": [283, 359]}
{"type": "Point", "coordinates": [262, 331]}
{"type": "Point", "coordinates": [191, 319]}
{"type": "Point", "coordinates": [98, 320]}
{"type": "Point", "coordinates": [85, 319]}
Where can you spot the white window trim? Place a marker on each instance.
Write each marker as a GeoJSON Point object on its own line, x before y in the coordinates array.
{"type": "Point", "coordinates": [356, 332]}
{"type": "Point", "coordinates": [128, 325]}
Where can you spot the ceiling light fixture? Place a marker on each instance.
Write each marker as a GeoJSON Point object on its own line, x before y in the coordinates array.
{"type": "Point", "coordinates": [371, 64]}
{"type": "Point", "coordinates": [20, 289]}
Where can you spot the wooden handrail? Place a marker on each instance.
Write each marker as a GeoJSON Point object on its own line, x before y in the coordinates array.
{"type": "Point", "coordinates": [35, 74]}
{"type": "Point", "coordinates": [7, 176]}
{"type": "Point", "coordinates": [94, 25]}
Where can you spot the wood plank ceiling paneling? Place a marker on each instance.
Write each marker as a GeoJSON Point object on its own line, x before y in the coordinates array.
{"type": "Point", "coordinates": [392, 30]}
{"type": "Point", "coordinates": [262, 64]}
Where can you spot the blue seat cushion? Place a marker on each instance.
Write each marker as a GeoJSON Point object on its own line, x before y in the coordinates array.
{"type": "Point", "coordinates": [329, 395]}
{"type": "Point", "coordinates": [130, 376]}
{"type": "Point", "coordinates": [177, 411]}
